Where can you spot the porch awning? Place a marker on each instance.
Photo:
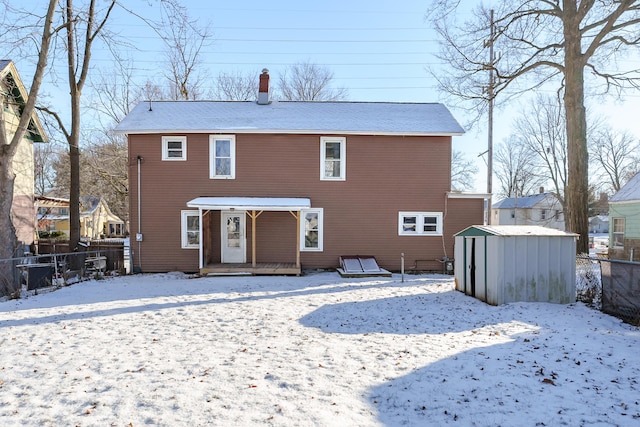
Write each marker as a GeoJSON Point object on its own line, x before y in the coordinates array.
{"type": "Point", "coordinates": [250, 203]}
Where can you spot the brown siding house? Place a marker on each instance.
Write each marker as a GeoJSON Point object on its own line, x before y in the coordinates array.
{"type": "Point", "coordinates": [275, 187]}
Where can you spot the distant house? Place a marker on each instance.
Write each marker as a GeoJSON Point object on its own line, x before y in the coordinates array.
{"type": "Point", "coordinates": [542, 209]}
{"type": "Point", "coordinates": [23, 210]}
{"type": "Point", "coordinates": [599, 224]}
{"type": "Point", "coordinates": [96, 219]}
{"type": "Point", "coordinates": [268, 187]}
{"type": "Point", "coordinates": [52, 216]}
{"type": "Point", "coordinates": [624, 216]}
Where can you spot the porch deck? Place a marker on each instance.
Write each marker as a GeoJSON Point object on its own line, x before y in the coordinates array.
{"type": "Point", "coordinates": [261, 268]}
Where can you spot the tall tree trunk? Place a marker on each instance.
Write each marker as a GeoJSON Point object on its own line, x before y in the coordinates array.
{"type": "Point", "coordinates": [577, 191]}
{"type": "Point", "coordinates": [73, 138]}
{"type": "Point", "coordinates": [74, 193]}
{"type": "Point", "coordinates": [8, 239]}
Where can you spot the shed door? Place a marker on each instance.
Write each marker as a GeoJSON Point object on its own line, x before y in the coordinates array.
{"type": "Point", "coordinates": [472, 266]}
{"type": "Point", "coordinates": [233, 237]}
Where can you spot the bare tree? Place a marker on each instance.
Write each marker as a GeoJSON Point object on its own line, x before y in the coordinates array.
{"type": "Point", "coordinates": [9, 143]}
{"type": "Point", "coordinates": [104, 166]}
{"type": "Point", "coordinates": [517, 168]}
{"type": "Point", "coordinates": [44, 173]}
{"type": "Point", "coordinates": [82, 27]}
{"type": "Point", "coordinates": [463, 171]}
{"type": "Point", "coordinates": [236, 86]}
{"type": "Point", "coordinates": [543, 41]}
{"type": "Point", "coordinates": [541, 127]}
{"type": "Point", "coordinates": [306, 81]}
{"type": "Point", "coordinates": [615, 157]}
{"type": "Point", "coordinates": [112, 94]}
{"type": "Point", "coordinates": [184, 40]}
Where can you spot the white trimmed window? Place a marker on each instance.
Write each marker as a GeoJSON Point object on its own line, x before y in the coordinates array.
{"type": "Point", "coordinates": [190, 229]}
{"type": "Point", "coordinates": [420, 224]}
{"type": "Point", "coordinates": [222, 156]}
{"type": "Point", "coordinates": [311, 229]}
{"type": "Point", "coordinates": [333, 158]}
{"type": "Point", "coordinates": [618, 232]}
{"type": "Point", "coordinates": [174, 148]}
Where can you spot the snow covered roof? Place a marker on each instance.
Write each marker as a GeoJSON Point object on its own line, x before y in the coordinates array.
{"type": "Point", "coordinates": [523, 202]}
{"type": "Point", "coordinates": [251, 203]}
{"type": "Point", "coordinates": [370, 118]}
{"type": "Point", "coordinates": [513, 230]}
{"type": "Point", "coordinates": [629, 192]}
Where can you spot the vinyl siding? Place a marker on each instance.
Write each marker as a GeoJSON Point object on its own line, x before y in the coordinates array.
{"type": "Point", "coordinates": [385, 175]}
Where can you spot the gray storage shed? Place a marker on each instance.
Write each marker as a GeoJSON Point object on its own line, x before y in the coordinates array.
{"type": "Point", "coordinates": [509, 263]}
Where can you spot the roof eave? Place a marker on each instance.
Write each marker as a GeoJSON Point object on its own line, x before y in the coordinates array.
{"type": "Point", "coordinates": [622, 202]}
{"type": "Point", "coordinates": [282, 131]}
{"type": "Point", "coordinates": [467, 195]}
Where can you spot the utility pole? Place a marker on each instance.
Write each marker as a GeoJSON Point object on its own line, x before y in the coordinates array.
{"type": "Point", "coordinates": [490, 96]}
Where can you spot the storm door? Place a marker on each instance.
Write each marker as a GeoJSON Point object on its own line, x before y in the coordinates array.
{"type": "Point", "coordinates": [233, 237]}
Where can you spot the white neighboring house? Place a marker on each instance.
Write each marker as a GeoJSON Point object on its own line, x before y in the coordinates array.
{"type": "Point", "coordinates": [599, 224]}
{"type": "Point", "coordinates": [542, 209]}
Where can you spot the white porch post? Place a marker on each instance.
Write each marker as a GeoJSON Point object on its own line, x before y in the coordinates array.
{"type": "Point", "coordinates": [200, 251]}
{"type": "Point", "coordinates": [296, 214]}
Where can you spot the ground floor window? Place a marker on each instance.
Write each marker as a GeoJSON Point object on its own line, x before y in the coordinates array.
{"type": "Point", "coordinates": [420, 223]}
{"type": "Point", "coordinates": [190, 230]}
{"type": "Point", "coordinates": [618, 232]}
{"type": "Point", "coordinates": [311, 232]}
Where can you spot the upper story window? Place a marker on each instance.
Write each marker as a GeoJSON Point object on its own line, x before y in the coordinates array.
{"type": "Point", "coordinates": [333, 158]}
{"type": "Point", "coordinates": [174, 148]}
{"type": "Point", "coordinates": [543, 214]}
{"type": "Point", "coordinates": [618, 232]}
{"type": "Point", "coordinates": [222, 156]}
{"type": "Point", "coordinates": [311, 233]}
{"type": "Point", "coordinates": [420, 223]}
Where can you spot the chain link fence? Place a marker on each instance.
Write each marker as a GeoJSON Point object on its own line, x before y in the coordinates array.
{"type": "Point", "coordinates": [612, 286]}
{"type": "Point", "coordinates": [53, 270]}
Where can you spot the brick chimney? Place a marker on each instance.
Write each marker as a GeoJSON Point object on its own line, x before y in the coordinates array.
{"type": "Point", "coordinates": [263, 89]}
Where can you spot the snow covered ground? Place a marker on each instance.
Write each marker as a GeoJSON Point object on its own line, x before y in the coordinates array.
{"type": "Point", "coordinates": [316, 350]}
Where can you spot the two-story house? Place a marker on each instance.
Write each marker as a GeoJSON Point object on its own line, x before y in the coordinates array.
{"type": "Point", "coordinates": [624, 217]}
{"type": "Point", "coordinates": [23, 211]}
{"type": "Point", "coordinates": [542, 209]}
{"type": "Point", "coordinates": [269, 187]}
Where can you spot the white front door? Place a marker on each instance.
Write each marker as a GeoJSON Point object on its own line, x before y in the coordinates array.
{"type": "Point", "coordinates": [233, 237]}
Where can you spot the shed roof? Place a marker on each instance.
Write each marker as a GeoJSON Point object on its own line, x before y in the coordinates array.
{"type": "Point", "coordinates": [384, 118]}
{"type": "Point", "coordinates": [629, 192]}
{"type": "Point", "coordinates": [513, 230]}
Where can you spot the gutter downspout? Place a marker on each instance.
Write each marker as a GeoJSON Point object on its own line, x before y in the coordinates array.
{"type": "Point", "coordinates": [200, 244]}
{"type": "Point", "coordinates": [139, 234]}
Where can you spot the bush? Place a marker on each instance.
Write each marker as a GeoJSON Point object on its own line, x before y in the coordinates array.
{"type": "Point", "coordinates": [51, 234]}
{"type": "Point", "coordinates": [588, 281]}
